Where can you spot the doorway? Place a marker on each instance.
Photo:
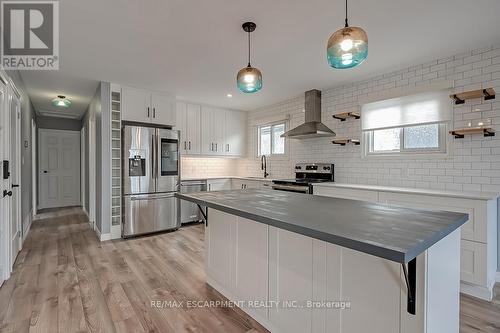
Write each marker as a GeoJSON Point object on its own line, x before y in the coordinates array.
{"type": "Point", "coordinates": [15, 177]}
{"type": "Point", "coordinates": [58, 168]}
{"type": "Point", "coordinates": [4, 186]}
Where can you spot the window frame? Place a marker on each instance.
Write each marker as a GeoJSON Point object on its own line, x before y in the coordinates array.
{"type": "Point", "coordinates": [272, 125]}
{"type": "Point", "coordinates": [441, 151]}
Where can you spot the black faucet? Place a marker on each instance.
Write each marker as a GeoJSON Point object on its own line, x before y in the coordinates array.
{"type": "Point", "coordinates": [263, 165]}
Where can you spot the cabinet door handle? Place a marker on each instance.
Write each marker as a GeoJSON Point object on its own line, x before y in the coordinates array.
{"type": "Point", "coordinates": [154, 112]}
{"type": "Point", "coordinates": [212, 146]}
{"type": "Point", "coordinates": [227, 147]}
{"type": "Point", "coordinates": [189, 145]}
{"type": "Point", "coordinates": [216, 149]}
{"type": "Point", "coordinates": [148, 111]}
{"type": "Point", "coordinates": [184, 145]}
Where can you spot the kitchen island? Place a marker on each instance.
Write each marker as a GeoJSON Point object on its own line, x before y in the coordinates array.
{"type": "Point", "coordinates": [301, 263]}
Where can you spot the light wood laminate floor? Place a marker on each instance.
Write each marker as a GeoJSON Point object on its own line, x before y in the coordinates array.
{"type": "Point", "coordinates": [65, 280]}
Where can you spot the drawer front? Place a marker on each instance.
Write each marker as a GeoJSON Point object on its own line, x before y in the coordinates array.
{"type": "Point", "coordinates": [473, 230]}
{"type": "Point", "coordinates": [347, 193]}
{"type": "Point", "coordinates": [473, 262]}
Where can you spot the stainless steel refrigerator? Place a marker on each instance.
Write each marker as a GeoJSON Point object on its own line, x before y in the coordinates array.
{"type": "Point", "coordinates": [151, 177]}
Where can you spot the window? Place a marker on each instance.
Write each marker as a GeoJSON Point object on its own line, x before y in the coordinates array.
{"type": "Point", "coordinates": [270, 141]}
{"type": "Point", "coordinates": [428, 138]}
{"type": "Point", "coordinates": [412, 124]}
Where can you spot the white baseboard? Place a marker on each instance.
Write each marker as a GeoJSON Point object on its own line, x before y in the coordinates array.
{"type": "Point", "coordinates": [29, 219]}
{"type": "Point", "coordinates": [477, 291]}
{"type": "Point", "coordinates": [102, 237]}
{"type": "Point", "coordinates": [105, 237]}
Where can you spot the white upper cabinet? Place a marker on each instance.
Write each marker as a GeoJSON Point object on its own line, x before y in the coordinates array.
{"type": "Point", "coordinates": [235, 133]}
{"type": "Point", "coordinates": [136, 105]}
{"type": "Point", "coordinates": [189, 124]}
{"type": "Point", "coordinates": [207, 130]}
{"type": "Point", "coordinates": [193, 129]}
{"type": "Point", "coordinates": [163, 112]}
{"type": "Point", "coordinates": [147, 107]}
{"type": "Point", "coordinates": [213, 122]}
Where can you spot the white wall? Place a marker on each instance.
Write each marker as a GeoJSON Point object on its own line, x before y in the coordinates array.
{"type": "Point", "coordinates": [475, 161]}
{"type": "Point", "coordinates": [474, 164]}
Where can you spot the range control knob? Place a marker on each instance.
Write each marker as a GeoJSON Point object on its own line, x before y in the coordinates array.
{"type": "Point", "coordinates": [298, 168]}
{"type": "Point", "coordinates": [326, 168]}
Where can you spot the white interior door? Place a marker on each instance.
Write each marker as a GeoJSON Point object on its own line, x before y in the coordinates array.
{"type": "Point", "coordinates": [92, 167]}
{"type": "Point", "coordinates": [59, 168]}
{"type": "Point", "coordinates": [4, 211]}
{"type": "Point", "coordinates": [15, 177]}
{"type": "Point", "coordinates": [34, 168]}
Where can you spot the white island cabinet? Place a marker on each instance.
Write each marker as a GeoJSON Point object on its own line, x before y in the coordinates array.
{"type": "Point", "coordinates": [293, 266]}
{"type": "Point", "coordinates": [296, 276]}
{"type": "Point", "coordinates": [478, 250]}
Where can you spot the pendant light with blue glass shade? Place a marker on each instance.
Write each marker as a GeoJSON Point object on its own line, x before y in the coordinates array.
{"type": "Point", "coordinates": [249, 79]}
{"type": "Point", "coordinates": [347, 47]}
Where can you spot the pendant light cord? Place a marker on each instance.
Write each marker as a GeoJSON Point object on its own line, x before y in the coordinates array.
{"type": "Point", "coordinates": [249, 49]}
{"type": "Point", "coordinates": [346, 24]}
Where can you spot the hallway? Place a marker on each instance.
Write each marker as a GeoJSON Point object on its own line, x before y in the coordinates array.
{"type": "Point", "coordinates": [65, 280]}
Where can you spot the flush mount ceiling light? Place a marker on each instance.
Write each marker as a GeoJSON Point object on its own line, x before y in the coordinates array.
{"type": "Point", "coordinates": [249, 79]}
{"type": "Point", "coordinates": [347, 47]}
{"type": "Point", "coordinates": [61, 101]}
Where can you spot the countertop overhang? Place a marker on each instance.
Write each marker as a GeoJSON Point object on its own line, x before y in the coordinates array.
{"type": "Point", "coordinates": [393, 233]}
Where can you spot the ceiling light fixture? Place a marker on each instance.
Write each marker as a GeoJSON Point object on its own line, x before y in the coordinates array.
{"type": "Point", "coordinates": [347, 47]}
{"type": "Point", "coordinates": [249, 79]}
{"type": "Point", "coordinates": [61, 101]}
{"type": "Point", "coordinates": [229, 95]}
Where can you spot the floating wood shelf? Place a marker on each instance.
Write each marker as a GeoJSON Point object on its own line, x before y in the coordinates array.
{"type": "Point", "coordinates": [460, 133]}
{"type": "Point", "coordinates": [344, 115]}
{"type": "Point", "coordinates": [343, 142]}
{"type": "Point", "coordinates": [488, 93]}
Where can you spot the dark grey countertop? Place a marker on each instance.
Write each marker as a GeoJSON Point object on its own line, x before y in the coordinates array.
{"type": "Point", "coordinates": [389, 232]}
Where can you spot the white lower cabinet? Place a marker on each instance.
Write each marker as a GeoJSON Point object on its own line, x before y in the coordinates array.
{"type": "Point", "coordinates": [219, 184]}
{"type": "Point", "coordinates": [317, 287]}
{"type": "Point", "coordinates": [353, 194]}
{"type": "Point", "coordinates": [290, 279]}
{"type": "Point", "coordinates": [251, 263]}
{"type": "Point", "coordinates": [473, 262]}
{"type": "Point", "coordinates": [218, 256]}
{"type": "Point", "coordinates": [241, 184]}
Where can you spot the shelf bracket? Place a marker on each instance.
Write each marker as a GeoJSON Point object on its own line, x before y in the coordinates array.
{"type": "Point", "coordinates": [457, 136]}
{"type": "Point", "coordinates": [339, 118]}
{"type": "Point", "coordinates": [410, 274]}
{"type": "Point", "coordinates": [458, 100]}
{"type": "Point", "coordinates": [487, 133]}
{"type": "Point", "coordinates": [204, 213]}
{"type": "Point", "coordinates": [487, 95]}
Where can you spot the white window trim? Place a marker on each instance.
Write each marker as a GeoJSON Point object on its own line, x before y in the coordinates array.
{"type": "Point", "coordinates": [257, 140]}
{"type": "Point", "coordinates": [444, 151]}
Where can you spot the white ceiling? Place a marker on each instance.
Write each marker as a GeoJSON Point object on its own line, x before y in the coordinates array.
{"type": "Point", "coordinates": [195, 48]}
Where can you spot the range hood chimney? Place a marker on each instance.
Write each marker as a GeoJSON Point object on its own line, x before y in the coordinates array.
{"type": "Point", "coordinates": [313, 127]}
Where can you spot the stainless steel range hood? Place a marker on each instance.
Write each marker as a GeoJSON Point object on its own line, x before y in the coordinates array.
{"type": "Point", "coordinates": [313, 127]}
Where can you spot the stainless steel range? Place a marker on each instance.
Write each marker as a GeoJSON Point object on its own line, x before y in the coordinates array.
{"type": "Point", "coordinates": [306, 174]}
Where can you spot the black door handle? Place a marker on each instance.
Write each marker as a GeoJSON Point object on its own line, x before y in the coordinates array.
{"type": "Point", "coordinates": [45, 171]}
{"type": "Point", "coordinates": [7, 193]}
{"type": "Point", "coordinates": [14, 185]}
